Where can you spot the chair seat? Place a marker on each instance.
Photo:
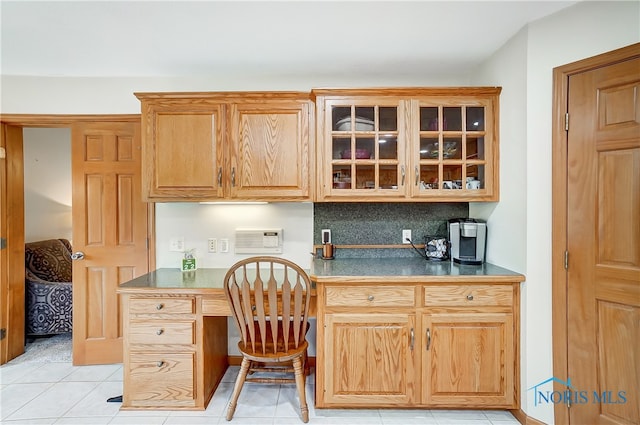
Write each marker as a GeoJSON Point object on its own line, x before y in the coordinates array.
{"type": "Point", "coordinates": [270, 356]}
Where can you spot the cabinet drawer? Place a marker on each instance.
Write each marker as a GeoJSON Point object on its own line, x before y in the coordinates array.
{"type": "Point", "coordinates": [216, 305]}
{"type": "Point", "coordinates": [161, 379]}
{"type": "Point", "coordinates": [468, 295]}
{"type": "Point", "coordinates": [162, 332]}
{"type": "Point", "coordinates": [370, 296]}
{"type": "Point", "coordinates": [161, 305]}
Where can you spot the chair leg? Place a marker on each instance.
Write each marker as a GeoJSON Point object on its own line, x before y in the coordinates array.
{"type": "Point", "coordinates": [300, 378]}
{"type": "Point", "coordinates": [242, 375]}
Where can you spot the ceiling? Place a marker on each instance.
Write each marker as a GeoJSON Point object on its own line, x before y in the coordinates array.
{"type": "Point", "coordinates": [205, 38]}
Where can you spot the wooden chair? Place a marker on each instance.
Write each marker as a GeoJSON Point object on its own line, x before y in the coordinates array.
{"type": "Point", "coordinates": [269, 299]}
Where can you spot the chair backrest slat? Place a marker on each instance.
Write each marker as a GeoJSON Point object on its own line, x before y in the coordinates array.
{"type": "Point", "coordinates": [286, 308]}
{"type": "Point", "coordinates": [272, 286]}
{"type": "Point", "coordinates": [269, 312]}
{"type": "Point", "coordinates": [247, 308]}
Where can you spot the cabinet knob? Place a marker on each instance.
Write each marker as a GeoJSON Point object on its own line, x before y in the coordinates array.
{"type": "Point", "coordinates": [159, 331]}
{"type": "Point", "coordinates": [160, 363]}
{"type": "Point", "coordinates": [470, 297]}
{"type": "Point", "coordinates": [370, 297]}
{"type": "Point", "coordinates": [159, 306]}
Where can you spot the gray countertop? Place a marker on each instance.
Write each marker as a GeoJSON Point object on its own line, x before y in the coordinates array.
{"type": "Point", "coordinates": [343, 269]}
{"type": "Point", "coordinates": [177, 279]}
{"type": "Point", "coordinates": [398, 269]}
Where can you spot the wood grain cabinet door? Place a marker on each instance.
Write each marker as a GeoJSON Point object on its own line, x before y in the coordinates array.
{"type": "Point", "coordinates": [182, 152]}
{"type": "Point", "coordinates": [468, 360]}
{"type": "Point", "coordinates": [370, 360]}
{"type": "Point", "coordinates": [269, 145]}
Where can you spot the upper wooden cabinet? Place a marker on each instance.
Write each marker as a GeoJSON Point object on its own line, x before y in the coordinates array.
{"type": "Point", "coordinates": [226, 146]}
{"type": "Point", "coordinates": [407, 144]}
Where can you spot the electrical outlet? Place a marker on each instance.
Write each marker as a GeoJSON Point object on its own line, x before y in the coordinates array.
{"type": "Point", "coordinates": [406, 236]}
{"type": "Point", "coordinates": [326, 236]}
{"type": "Point", "coordinates": [176, 244]}
{"type": "Point", "coordinates": [224, 245]}
{"type": "Point", "coordinates": [212, 244]}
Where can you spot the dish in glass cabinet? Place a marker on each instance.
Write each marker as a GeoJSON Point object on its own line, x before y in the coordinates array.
{"type": "Point", "coordinates": [449, 151]}
{"type": "Point", "coordinates": [361, 124]}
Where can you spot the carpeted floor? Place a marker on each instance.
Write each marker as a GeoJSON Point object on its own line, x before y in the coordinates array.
{"type": "Point", "coordinates": [56, 348]}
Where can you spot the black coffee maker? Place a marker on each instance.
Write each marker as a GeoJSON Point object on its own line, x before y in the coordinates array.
{"type": "Point", "coordinates": [468, 239]}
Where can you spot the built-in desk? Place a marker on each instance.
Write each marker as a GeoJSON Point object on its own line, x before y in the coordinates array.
{"type": "Point", "coordinates": [423, 334]}
{"type": "Point", "coordinates": [174, 338]}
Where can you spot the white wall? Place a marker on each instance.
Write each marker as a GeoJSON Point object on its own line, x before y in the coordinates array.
{"type": "Point", "coordinates": [47, 183]}
{"type": "Point", "coordinates": [197, 222]}
{"type": "Point", "coordinates": [520, 224]}
{"type": "Point", "coordinates": [110, 95]}
{"type": "Point", "coordinates": [584, 30]}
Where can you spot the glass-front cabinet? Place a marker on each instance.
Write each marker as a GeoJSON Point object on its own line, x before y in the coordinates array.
{"type": "Point", "coordinates": [453, 155]}
{"type": "Point", "coordinates": [407, 144]}
{"type": "Point", "coordinates": [365, 149]}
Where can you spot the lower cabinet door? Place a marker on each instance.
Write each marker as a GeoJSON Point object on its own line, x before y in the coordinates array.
{"type": "Point", "coordinates": [369, 360]}
{"type": "Point", "coordinates": [161, 380]}
{"type": "Point", "coordinates": [468, 360]}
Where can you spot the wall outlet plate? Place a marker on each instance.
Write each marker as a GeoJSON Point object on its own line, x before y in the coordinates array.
{"type": "Point", "coordinates": [326, 236]}
{"type": "Point", "coordinates": [406, 236]}
{"type": "Point", "coordinates": [212, 244]}
{"type": "Point", "coordinates": [224, 245]}
{"type": "Point", "coordinates": [176, 244]}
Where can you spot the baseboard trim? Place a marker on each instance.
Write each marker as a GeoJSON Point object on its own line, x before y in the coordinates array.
{"type": "Point", "coordinates": [524, 419]}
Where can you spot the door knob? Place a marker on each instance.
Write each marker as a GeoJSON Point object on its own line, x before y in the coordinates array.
{"type": "Point", "coordinates": [77, 255]}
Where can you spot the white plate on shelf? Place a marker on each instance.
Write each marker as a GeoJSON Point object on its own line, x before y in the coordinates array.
{"type": "Point", "coordinates": [362, 124]}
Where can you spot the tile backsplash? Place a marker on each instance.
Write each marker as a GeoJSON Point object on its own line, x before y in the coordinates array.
{"type": "Point", "coordinates": [382, 224]}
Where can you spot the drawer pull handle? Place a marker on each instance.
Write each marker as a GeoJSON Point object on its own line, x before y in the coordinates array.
{"type": "Point", "coordinates": [159, 331]}
{"type": "Point", "coordinates": [470, 297]}
{"type": "Point", "coordinates": [160, 363]}
{"type": "Point", "coordinates": [159, 306]}
{"type": "Point", "coordinates": [370, 297]}
{"type": "Point", "coordinates": [428, 339]}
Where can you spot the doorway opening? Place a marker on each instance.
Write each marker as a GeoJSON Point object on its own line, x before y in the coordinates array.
{"type": "Point", "coordinates": [47, 214]}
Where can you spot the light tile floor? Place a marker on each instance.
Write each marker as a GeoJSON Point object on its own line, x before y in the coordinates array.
{"type": "Point", "coordinates": [60, 393]}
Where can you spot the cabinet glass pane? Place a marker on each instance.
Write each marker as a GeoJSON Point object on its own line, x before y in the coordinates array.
{"type": "Point", "coordinates": [475, 147]}
{"type": "Point", "coordinates": [388, 118]}
{"type": "Point", "coordinates": [451, 177]}
{"type": "Point", "coordinates": [475, 118]}
{"type": "Point", "coordinates": [341, 176]}
{"type": "Point", "coordinates": [452, 148]}
{"type": "Point", "coordinates": [365, 149]}
{"type": "Point", "coordinates": [341, 118]}
{"type": "Point", "coordinates": [475, 177]}
{"type": "Point", "coordinates": [428, 177]}
{"type": "Point", "coordinates": [388, 177]}
{"type": "Point", "coordinates": [429, 147]}
{"type": "Point", "coordinates": [452, 118]}
{"type": "Point", "coordinates": [388, 146]}
{"type": "Point", "coordinates": [365, 118]}
{"type": "Point", "coordinates": [365, 176]}
{"type": "Point", "coordinates": [341, 146]}
{"type": "Point", "coordinates": [429, 118]}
